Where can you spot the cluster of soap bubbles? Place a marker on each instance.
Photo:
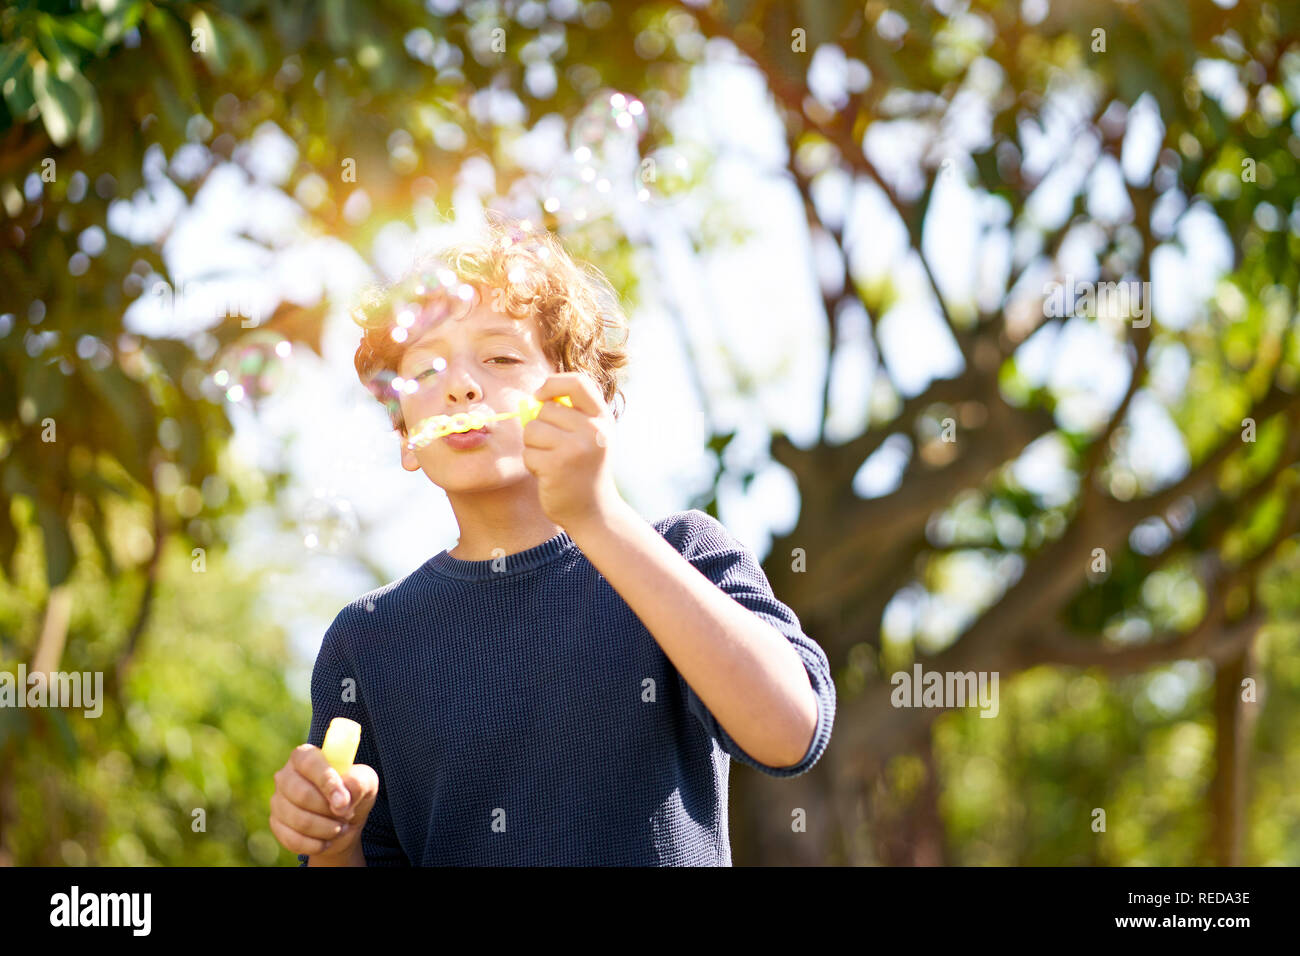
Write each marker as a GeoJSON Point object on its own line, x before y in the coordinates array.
{"type": "Point", "coordinates": [409, 302]}
{"type": "Point", "coordinates": [610, 123]}
{"type": "Point", "coordinates": [431, 429]}
{"type": "Point", "coordinates": [669, 173]}
{"type": "Point", "coordinates": [327, 523]}
{"type": "Point", "coordinates": [604, 164]}
{"type": "Point", "coordinates": [388, 387]}
{"type": "Point", "coordinates": [431, 292]}
{"type": "Point", "coordinates": [250, 369]}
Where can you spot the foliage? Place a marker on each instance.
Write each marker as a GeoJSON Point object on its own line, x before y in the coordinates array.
{"type": "Point", "coordinates": [200, 724]}
{"type": "Point", "coordinates": [107, 102]}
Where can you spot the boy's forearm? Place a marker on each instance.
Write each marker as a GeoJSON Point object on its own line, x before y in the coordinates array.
{"type": "Point", "coordinates": [746, 672]}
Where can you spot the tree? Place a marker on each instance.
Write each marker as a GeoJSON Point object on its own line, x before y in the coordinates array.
{"type": "Point", "coordinates": [384, 100]}
{"type": "Point", "coordinates": [173, 765]}
{"type": "Point", "coordinates": [1233, 506]}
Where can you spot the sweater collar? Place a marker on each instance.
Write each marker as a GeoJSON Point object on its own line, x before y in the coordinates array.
{"type": "Point", "coordinates": [505, 566]}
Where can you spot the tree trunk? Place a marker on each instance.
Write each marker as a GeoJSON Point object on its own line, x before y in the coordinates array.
{"type": "Point", "coordinates": [49, 652]}
{"type": "Point", "coordinates": [1234, 720]}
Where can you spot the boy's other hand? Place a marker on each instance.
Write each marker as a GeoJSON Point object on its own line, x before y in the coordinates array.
{"type": "Point", "coordinates": [316, 811]}
{"type": "Point", "coordinates": [567, 449]}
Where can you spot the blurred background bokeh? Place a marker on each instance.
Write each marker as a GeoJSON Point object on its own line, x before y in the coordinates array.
{"type": "Point", "coordinates": [858, 243]}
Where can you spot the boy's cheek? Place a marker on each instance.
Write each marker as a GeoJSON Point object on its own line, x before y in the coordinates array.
{"type": "Point", "coordinates": [413, 410]}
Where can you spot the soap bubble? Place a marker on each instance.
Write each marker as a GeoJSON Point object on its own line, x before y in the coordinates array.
{"type": "Point", "coordinates": [456, 296]}
{"type": "Point", "coordinates": [327, 523]}
{"type": "Point", "coordinates": [589, 181]}
{"type": "Point", "coordinates": [422, 373]}
{"type": "Point", "coordinates": [430, 292]}
{"type": "Point", "coordinates": [252, 368]}
{"type": "Point", "coordinates": [578, 191]}
{"type": "Point", "coordinates": [669, 173]}
{"type": "Point", "coordinates": [610, 122]}
{"type": "Point", "coordinates": [388, 387]}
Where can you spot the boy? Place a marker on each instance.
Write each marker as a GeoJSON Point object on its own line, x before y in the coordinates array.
{"type": "Point", "coordinates": [566, 685]}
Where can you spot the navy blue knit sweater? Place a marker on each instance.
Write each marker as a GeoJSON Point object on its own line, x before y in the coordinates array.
{"type": "Point", "coordinates": [518, 712]}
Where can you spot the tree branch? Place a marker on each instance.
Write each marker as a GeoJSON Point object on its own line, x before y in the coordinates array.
{"type": "Point", "coordinates": [141, 621]}
{"type": "Point", "coordinates": [874, 726]}
{"type": "Point", "coordinates": [790, 95]}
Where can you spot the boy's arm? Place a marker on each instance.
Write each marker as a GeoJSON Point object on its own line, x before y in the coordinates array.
{"type": "Point", "coordinates": [378, 845]}
{"type": "Point", "coordinates": [721, 636]}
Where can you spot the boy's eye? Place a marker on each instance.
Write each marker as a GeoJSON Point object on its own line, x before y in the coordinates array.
{"type": "Point", "coordinates": [497, 358]}
{"type": "Point", "coordinates": [439, 365]}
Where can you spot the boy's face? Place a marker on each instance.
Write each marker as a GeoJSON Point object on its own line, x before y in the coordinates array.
{"type": "Point", "coordinates": [492, 362]}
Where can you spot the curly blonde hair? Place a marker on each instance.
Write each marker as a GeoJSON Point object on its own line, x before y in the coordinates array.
{"type": "Point", "coordinates": [522, 270]}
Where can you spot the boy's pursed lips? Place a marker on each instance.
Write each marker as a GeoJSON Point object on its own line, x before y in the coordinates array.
{"type": "Point", "coordinates": [481, 411]}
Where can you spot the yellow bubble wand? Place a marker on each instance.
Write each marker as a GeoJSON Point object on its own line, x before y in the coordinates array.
{"type": "Point", "coordinates": [340, 744]}
{"type": "Point", "coordinates": [439, 426]}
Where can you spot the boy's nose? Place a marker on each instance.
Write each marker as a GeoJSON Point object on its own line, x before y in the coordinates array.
{"type": "Point", "coordinates": [467, 394]}
{"type": "Point", "coordinates": [461, 394]}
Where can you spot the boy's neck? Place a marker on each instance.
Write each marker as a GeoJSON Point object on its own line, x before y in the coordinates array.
{"type": "Point", "coordinates": [491, 529]}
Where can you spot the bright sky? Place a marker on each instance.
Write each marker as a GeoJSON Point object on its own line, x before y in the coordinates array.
{"type": "Point", "coordinates": [756, 306]}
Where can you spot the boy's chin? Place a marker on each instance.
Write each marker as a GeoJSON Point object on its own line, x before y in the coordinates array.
{"type": "Point", "coordinates": [486, 473]}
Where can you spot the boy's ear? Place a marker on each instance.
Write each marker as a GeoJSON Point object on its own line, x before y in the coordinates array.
{"type": "Point", "coordinates": [409, 461]}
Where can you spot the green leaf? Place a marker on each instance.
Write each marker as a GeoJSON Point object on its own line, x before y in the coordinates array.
{"type": "Point", "coordinates": [14, 723]}
{"type": "Point", "coordinates": [132, 417]}
{"type": "Point", "coordinates": [338, 29]}
{"type": "Point", "coordinates": [17, 87]}
{"type": "Point", "coordinates": [90, 131]}
{"type": "Point", "coordinates": [66, 738]}
{"type": "Point", "coordinates": [292, 24]}
{"type": "Point", "coordinates": [215, 51]}
{"type": "Point", "coordinates": [96, 485]}
{"type": "Point", "coordinates": [174, 47]}
{"type": "Point", "coordinates": [174, 114]}
{"type": "Point", "coordinates": [16, 481]}
{"type": "Point", "coordinates": [819, 19]}
{"type": "Point", "coordinates": [58, 543]}
{"type": "Point", "coordinates": [90, 128]}
{"type": "Point", "coordinates": [13, 58]}
{"type": "Point", "coordinates": [8, 538]}
{"type": "Point", "coordinates": [77, 29]}
{"type": "Point", "coordinates": [59, 104]}
{"type": "Point", "coordinates": [718, 443]}
{"type": "Point", "coordinates": [99, 530]}
{"type": "Point", "coordinates": [246, 39]}
{"type": "Point", "coordinates": [46, 385]}
{"type": "Point", "coordinates": [174, 356]}
{"type": "Point", "coordinates": [58, 53]}
{"type": "Point", "coordinates": [191, 450]}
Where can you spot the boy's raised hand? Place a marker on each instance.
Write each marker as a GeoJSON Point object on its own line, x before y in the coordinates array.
{"type": "Point", "coordinates": [316, 811]}
{"type": "Point", "coordinates": [566, 448]}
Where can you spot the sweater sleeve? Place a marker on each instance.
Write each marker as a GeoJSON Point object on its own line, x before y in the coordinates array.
{"type": "Point", "coordinates": [710, 548]}
{"type": "Point", "coordinates": [379, 841]}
